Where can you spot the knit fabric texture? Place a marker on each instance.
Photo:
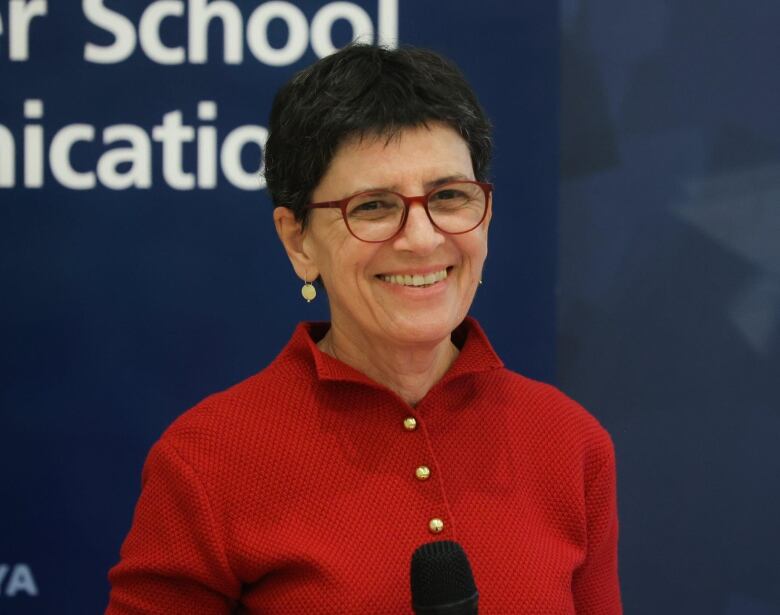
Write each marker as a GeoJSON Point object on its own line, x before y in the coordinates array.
{"type": "Point", "coordinates": [296, 492]}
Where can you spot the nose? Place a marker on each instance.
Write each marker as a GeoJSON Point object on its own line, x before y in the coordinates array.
{"type": "Point", "coordinates": [418, 235]}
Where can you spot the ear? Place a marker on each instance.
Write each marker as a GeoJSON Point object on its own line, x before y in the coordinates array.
{"type": "Point", "coordinates": [292, 234]}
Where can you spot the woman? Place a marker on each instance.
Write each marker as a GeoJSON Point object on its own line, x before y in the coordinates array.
{"type": "Point", "coordinates": [306, 488]}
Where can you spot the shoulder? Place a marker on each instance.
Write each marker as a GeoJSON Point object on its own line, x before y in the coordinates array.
{"type": "Point", "coordinates": [256, 397]}
{"type": "Point", "coordinates": [251, 418]}
{"type": "Point", "coordinates": [544, 411]}
{"type": "Point", "coordinates": [539, 413]}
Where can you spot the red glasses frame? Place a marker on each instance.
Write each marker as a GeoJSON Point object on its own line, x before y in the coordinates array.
{"type": "Point", "coordinates": [487, 188]}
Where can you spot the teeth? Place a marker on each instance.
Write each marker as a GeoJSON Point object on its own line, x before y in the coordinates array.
{"type": "Point", "coordinates": [416, 280]}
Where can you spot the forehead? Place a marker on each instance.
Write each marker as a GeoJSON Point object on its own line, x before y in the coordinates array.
{"type": "Point", "coordinates": [405, 159]}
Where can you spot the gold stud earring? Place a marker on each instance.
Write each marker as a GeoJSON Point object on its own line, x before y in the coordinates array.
{"type": "Point", "coordinates": [308, 291]}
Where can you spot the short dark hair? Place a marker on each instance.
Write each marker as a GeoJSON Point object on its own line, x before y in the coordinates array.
{"type": "Point", "coordinates": [364, 90]}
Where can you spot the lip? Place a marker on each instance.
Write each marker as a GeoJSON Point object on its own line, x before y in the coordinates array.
{"type": "Point", "coordinates": [418, 293]}
{"type": "Point", "coordinates": [417, 271]}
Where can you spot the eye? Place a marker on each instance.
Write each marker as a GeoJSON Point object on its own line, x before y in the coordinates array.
{"type": "Point", "coordinates": [374, 206]}
{"type": "Point", "coordinates": [370, 206]}
{"type": "Point", "coordinates": [448, 194]}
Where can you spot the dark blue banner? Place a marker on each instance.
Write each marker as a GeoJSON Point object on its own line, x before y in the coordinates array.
{"type": "Point", "coordinates": [139, 266]}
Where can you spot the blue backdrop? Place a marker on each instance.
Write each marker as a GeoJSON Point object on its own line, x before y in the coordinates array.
{"type": "Point", "coordinates": [669, 277]}
{"type": "Point", "coordinates": [140, 269]}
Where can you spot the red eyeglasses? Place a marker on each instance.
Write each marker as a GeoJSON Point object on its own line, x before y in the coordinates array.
{"type": "Point", "coordinates": [379, 215]}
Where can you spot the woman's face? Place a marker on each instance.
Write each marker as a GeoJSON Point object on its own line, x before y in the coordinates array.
{"type": "Point", "coordinates": [364, 304]}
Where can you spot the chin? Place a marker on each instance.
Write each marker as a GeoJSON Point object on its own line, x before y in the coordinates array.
{"type": "Point", "coordinates": [422, 328]}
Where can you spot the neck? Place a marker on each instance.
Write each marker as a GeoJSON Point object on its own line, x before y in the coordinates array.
{"type": "Point", "coordinates": [408, 370]}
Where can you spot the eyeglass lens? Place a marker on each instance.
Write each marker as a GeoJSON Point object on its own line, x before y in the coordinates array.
{"type": "Point", "coordinates": [454, 208]}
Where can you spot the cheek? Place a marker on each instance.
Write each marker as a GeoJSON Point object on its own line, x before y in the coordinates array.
{"type": "Point", "coordinates": [323, 245]}
{"type": "Point", "coordinates": [475, 249]}
{"type": "Point", "coordinates": [347, 267]}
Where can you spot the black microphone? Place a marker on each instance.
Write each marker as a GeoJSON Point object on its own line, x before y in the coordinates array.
{"type": "Point", "coordinates": [442, 582]}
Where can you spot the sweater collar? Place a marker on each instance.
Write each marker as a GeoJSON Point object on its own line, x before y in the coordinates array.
{"type": "Point", "coordinates": [476, 354]}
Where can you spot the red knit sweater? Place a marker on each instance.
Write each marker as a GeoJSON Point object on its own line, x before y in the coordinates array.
{"type": "Point", "coordinates": [296, 492]}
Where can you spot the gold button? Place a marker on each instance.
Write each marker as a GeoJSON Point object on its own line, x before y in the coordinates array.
{"type": "Point", "coordinates": [422, 473]}
{"type": "Point", "coordinates": [410, 423]}
{"type": "Point", "coordinates": [435, 525]}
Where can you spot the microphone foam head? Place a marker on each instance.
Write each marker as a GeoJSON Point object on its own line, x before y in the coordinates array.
{"type": "Point", "coordinates": [441, 574]}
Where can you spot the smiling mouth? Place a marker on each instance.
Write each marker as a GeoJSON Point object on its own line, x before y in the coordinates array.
{"type": "Point", "coordinates": [416, 280]}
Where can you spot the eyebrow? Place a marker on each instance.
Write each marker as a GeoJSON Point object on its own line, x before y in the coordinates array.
{"type": "Point", "coordinates": [430, 185]}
